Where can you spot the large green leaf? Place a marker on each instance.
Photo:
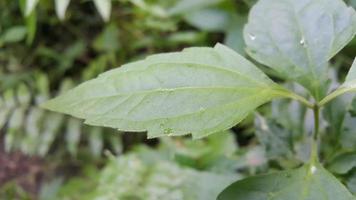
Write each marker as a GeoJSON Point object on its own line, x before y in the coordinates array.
{"type": "Point", "coordinates": [310, 182]}
{"type": "Point", "coordinates": [297, 38]}
{"type": "Point", "coordinates": [198, 91]}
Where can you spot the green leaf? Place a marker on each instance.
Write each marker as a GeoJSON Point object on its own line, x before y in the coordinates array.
{"type": "Point", "coordinates": [141, 180]}
{"type": "Point", "coordinates": [351, 76]}
{"type": "Point", "coordinates": [210, 19]}
{"type": "Point", "coordinates": [343, 163]}
{"type": "Point", "coordinates": [274, 139]}
{"type": "Point", "coordinates": [351, 182]}
{"type": "Point", "coordinates": [31, 26]}
{"type": "Point", "coordinates": [352, 3]}
{"type": "Point", "coordinates": [234, 34]}
{"type": "Point", "coordinates": [61, 7]}
{"type": "Point", "coordinates": [30, 6]}
{"type": "Point", "coordinates": [14, 34]}
{"type": "Point", "coordinates": [186, 6]}
{"type": "Point", "coordinates": [104, 8]}
{"type": "Point", "coordinates": [297, 38]}
{"type": "Point", "coordinates": [306, 183]}
{"type": "Point", "coordinates": [73, 134]}
{"type": "Point", "coordinates": [198, 91]}
{"type": "Point", "coordinates": [108, 39]}
{"type": "Point", "coordinates": [348, 86]}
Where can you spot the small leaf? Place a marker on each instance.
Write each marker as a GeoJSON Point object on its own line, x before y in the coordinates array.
{"type": "Point", "coordinates": [297, 38]}
{"type": "Point", "coordinates": [14, 34]}
{"type": "Point", "coordinates": [343, 163]}
{"type": "Point", "coordinates": [306, 183]}
{"type": "Point", "coordinates": [199, 91]}
{"type": "Point", "coordinates": [61, 7]}
{"type": "Point", "coordinates": [104, 8]}
{"type": "Point", "coordinates": [31, 25]}
{"type": "Point", "coordinates": [30, 6]}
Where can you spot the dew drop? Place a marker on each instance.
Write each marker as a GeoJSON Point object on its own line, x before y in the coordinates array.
{"type": "Point", "coordinates": [302, 42]}
{"type": "Point", "coordinates": [252, 37]}
{"type": "Point", "coordinates": [313, 169]}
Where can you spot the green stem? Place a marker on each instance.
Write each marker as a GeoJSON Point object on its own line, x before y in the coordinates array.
{"type": "Point", "coordinates": [314, 147]}
{"type": "Point", "coordinates": [340, 91]}
{"type": "Point", "coordinates": [286, 93]}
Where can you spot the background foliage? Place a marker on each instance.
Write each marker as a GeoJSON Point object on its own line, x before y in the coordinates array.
{"type": "Point", "coordinates": [48, 46]}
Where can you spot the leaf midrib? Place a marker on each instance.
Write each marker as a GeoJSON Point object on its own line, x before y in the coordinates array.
{"type": "Point", "coordinates": [211, 109]}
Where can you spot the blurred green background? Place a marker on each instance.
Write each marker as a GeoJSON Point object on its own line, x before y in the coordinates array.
{"type": "Point", "coordinates": [49, 46]}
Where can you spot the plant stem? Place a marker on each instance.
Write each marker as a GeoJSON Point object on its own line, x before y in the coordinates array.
{"type": "Point", "coordinates": [314, 146]}
{"type": "Point", "coordinates": [335, 94]}
{"type": "Point", "coordinates": [292, 95]}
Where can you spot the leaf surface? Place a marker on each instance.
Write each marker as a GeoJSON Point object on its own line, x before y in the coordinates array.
{"type": "Point", "coordinates": [297, 38]}
{"type": "Point", "coordinates": [305, 183]}
{"type": "Point", "coordinates": [343, 163]}
{"type": "Point", "coordinates": [198, 91]}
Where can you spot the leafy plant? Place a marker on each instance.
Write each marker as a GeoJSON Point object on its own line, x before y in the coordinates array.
{"type": "Point", "coordinates": [201, 91]}
{"type": "Point", "coordinates": [34, 131]}
{"type": "Point", "coordinates": [145, 173]}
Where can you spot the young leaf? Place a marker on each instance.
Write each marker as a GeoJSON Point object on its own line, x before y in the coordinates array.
{"type": "Point", "coordinates": [104, 8]}
{"type": "Point", "coordinates": [198, 91]}
{"type": "Point", "coordinates": [61, 7]}
{"type": "Point", "coordinates": [305, 183]}
{"type": "Point", "coordinates": [297, 38]}
{"type": "Point", "coordinates": [30, 6]}
{"type": "Point", "coordinates": [348, 86]}
{"type": "Point", "coordinates": [31, 25]}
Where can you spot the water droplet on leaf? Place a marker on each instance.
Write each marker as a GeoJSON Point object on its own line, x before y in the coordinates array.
{"type": "Point", "coordinates": [302, 42]}
{"type": "Point", "coordinates": [313, 169]}
{"type": "Point", "coordinates": [252, 37]}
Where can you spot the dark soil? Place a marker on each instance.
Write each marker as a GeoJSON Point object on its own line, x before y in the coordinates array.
{"type": "Point", "coordinates": [21, 169]}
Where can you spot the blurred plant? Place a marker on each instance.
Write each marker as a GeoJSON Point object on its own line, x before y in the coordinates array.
{"type": "Point", "coordinates": [202, 91]}
{"type": "Point", "coordinates": [34, 131]}
{"type": "Point", "coordinates": [145, 173]}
